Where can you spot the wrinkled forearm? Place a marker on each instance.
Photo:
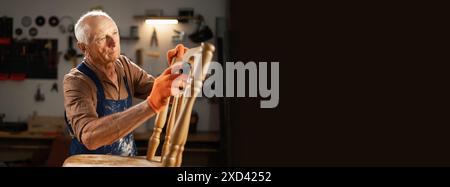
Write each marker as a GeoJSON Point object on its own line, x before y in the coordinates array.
{"type": "Point", "coordinates": [108, 129]}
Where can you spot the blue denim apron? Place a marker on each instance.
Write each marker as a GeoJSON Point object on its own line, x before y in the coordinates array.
{"type": "Point", "coordinates": [124, 146]}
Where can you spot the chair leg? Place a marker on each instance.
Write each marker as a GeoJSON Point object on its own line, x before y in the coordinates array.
{"type": "Point", "coordinates": [179, 159]}
{"type": "Point", "coordinates": [170, 124]}
{"type": "Point", "coordinates": [154, 140]}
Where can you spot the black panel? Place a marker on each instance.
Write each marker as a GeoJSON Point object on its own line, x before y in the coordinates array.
{"type": "Point", "coordinates": [36, 58]}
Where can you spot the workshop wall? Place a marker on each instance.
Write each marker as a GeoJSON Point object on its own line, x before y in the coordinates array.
{"type": "Point", "coordinates": [17, 98]}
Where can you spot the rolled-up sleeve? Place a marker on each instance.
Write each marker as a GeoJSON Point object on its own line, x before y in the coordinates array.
{"type": "Point", "coordinates": [78, 103]}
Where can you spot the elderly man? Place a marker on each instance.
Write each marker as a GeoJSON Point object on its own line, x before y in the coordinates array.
{"type": "Point", "coordinates": [97, 94]}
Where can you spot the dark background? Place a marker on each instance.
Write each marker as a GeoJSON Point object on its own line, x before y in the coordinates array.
{"type": "Point", "coordinates": [360, 85]}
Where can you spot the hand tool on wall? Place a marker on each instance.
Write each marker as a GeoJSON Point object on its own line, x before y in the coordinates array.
{"type": "Point", "coordinates": [39, 96]}
{"type": "Point", "coordinates": [33, 32]}
{"type": "Point", "coordinates": [54, 87]}
{"type": "Point", "coordinates": [26, 21]}
{"type": "Point", "coordinates": [71, 53]}
{"type": "Point", "coordinates": [154, 39]}
{"type": "Point", "coordinates": [53, 21]}
{"type": "Point", "coordinates": [66, 24]}
{"type": "Point", "coordinates": [203, 32]}
{"type": "Point", "coordinates": [40, 21]}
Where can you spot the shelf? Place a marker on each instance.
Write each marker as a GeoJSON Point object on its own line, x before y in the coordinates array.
{"type": "Point", "coordinates": [30, 135]}
{"type": "Point", "coordinates": [128, 38]}
{"type": "Point", "coordinates": [139, 17]}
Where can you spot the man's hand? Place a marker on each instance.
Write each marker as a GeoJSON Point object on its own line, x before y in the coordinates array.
{"type": "Point", "coordinates": [177, 52]}
{"type": "Point", "coordinates": [164, 87]}
{"type": "Point", "coordinates": [167, 83]}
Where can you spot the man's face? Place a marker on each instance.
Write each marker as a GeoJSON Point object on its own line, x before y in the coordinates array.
{"type": "Point", "coordinates": [104, 40]}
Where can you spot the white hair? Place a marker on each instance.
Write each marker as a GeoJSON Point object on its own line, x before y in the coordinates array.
{"type": "Point", "coordinates": [81, 27]}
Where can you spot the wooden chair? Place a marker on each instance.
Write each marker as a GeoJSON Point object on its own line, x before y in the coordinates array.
{"type": "Point", "coordinates": [177, 123]}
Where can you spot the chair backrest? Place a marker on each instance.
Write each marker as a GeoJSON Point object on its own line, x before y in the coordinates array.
{"type": "Point", "coordinates": [199, 59]}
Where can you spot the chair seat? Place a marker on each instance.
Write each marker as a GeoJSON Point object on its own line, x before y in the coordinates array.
{"type": "Point", "coordinates": [94, 160]}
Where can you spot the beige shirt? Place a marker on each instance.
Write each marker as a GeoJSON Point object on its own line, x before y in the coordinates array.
{"type": "Point", "coordinates": [80, 92]}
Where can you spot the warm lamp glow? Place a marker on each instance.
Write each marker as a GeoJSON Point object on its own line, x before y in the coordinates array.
{"type": "Point", "coordinates": [161, 21]}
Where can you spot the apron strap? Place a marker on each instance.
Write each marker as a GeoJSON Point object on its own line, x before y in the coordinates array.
{"type": "Point", "coordinates": [100, 92]}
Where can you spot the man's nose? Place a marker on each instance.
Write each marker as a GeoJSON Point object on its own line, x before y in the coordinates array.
{"type": "Point", "coordinates": [110, 41]}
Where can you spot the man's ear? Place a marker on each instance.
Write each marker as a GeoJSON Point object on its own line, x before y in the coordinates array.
{"type": "Point", "coordinates": [81, 46]}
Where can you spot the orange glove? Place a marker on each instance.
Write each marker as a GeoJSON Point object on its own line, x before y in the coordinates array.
{"type": "Point", "coordinates": [177, 52]}
{"type": "Point", "coordinates": [163, 88]}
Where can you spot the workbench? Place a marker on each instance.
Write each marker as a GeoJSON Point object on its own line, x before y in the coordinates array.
{"type": "Point", "coordinates": [50, 149]}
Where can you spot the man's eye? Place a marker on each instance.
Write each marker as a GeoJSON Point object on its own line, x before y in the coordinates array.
{"type": "Point", "coordinates": [101, 39]}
